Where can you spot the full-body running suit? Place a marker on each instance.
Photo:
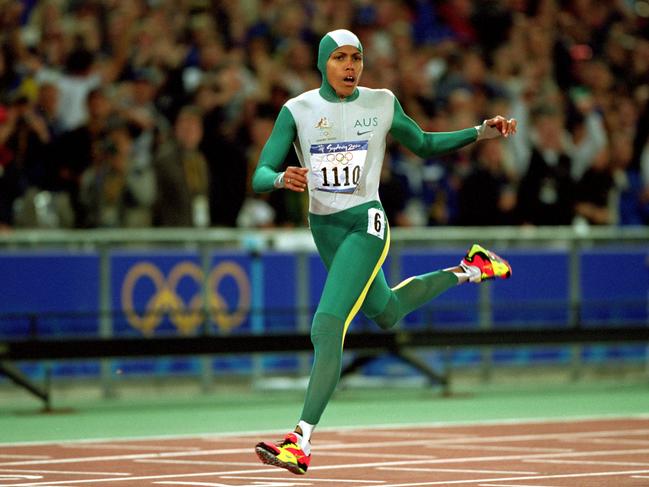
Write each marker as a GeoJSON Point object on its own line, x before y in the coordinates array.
{"type": "Point", "coordinates": [342, 143]}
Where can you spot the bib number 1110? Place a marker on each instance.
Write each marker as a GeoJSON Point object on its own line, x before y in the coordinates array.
{"type": "Point", "coordinates": [335, 177]}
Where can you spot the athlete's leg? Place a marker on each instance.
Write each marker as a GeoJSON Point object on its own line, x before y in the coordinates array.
{"type": "Point", "coordinates": [352, 270]}
{"type": "Point", "coordinates": [387, 306]}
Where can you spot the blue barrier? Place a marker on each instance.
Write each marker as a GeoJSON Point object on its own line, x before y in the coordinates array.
{"type": "Point", "coordinates": [158, 293]}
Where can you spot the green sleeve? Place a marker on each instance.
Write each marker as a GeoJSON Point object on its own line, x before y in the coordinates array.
{"type": "Point", "coordinates": [274, 152]}
{"type": "Point", "coordinates": [426, 144]}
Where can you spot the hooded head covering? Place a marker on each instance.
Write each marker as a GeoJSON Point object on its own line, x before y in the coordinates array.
{"type": "Point", "coordinates": [328, 44]}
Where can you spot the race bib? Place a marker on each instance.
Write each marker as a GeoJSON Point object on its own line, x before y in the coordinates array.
{"type": "Point", "coordinates": [337, 167]}
{"type": "Point", "coordinates": [375, 222]}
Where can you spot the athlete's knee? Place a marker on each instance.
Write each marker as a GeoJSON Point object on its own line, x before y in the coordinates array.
{"type": "Point", "coordinates": [386, 320]}
{"type": "Point", "coordinates": [390, 315]}
{"type": "Point", "coordinates": [326, 328]}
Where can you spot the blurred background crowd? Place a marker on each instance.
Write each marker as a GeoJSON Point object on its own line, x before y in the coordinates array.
{"type": "Point", "coordinates": [140, 113]}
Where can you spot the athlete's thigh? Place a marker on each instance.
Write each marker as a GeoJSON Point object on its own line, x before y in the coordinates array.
{"type": "Point", "coordinates": [351, 268]}
{"type": "Point", "coordinates": [328, 237]}
{"type": "Point", "coordinates": [377, 296]}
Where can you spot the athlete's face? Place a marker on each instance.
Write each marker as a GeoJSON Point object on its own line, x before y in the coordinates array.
{"type": "Point", "coordinates": [344, 69]}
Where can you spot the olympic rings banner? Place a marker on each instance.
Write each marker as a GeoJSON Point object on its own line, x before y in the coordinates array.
{"type": "Point", "coordinates": [171, 293]}
{"type": "Point", "coordinates": [186, 314]}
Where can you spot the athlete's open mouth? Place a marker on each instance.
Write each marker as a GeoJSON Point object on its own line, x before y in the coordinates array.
{"type": "Point", "coordinates": [349, 79]}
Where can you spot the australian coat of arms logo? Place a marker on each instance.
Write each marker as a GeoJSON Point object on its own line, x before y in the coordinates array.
{"type": "Point", "coordinates": [323, 123]}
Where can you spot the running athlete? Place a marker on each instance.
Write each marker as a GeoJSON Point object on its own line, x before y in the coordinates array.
{"type": "Point", "coordinates": [339, 133]}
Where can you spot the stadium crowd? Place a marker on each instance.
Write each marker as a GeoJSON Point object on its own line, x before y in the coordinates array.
{"type": "Point", "coordinates": [153, 112]}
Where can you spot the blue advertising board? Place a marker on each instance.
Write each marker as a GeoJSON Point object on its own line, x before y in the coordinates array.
{"type": "Point", "coordinates": [162, 292]}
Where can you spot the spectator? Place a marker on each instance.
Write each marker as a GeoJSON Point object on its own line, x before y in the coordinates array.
{"type": "Point", "coordinates": [27, 141]}
{"type": "Point", "coordinates": [393, 195]}
{"type": "Point", "coordinates": [145, 122]}
{"type": "Point", "coordinates": [112, 191]}
{"type": "Point", "coordinates": [593, 192]}
{"type": "Point", "coordinates": [182, 175]}
{"type": "Point", "coordinates": [74, 86]}
{"type": "Point", "coordinates": [47, 105]}
{"type": "Point", "coordinates": [555, 159]}
{"type": "Point", "coordinates": [545, 195]}
{"type": "Point", "coordinates": [487, 195]}
{"type": "Point", "coordinates": [77, 150]}
{"type": "Point", "coordinates": [631, 186]}
{"type": "Point", "coordinates": [257, 210]}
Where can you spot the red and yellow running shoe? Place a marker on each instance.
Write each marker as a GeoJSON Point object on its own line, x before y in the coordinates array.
{"type": "Point", "coordinates": [286, 454]}
{"type": "Point", "coordinates": [483, 264]}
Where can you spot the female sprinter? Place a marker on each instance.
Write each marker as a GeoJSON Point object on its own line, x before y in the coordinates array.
{"type": "Point", "coordinates": [339, 133]}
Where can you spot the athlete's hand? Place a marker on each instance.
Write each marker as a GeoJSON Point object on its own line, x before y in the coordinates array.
{"type": "Point", "coordinates": [497, 126]}
{"type": "Point", "coordinates": [295, 178]}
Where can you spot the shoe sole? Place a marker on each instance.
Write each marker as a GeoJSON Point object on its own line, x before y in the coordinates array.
{"type": "Point", "coordinates": [269, 459]}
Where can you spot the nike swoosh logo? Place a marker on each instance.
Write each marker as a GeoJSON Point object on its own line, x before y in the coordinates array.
{"type": "Point", "coordinates": [363, 133]}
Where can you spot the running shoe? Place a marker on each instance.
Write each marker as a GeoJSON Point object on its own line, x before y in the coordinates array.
{"type": "Point", "coordinates": [286, 454]}
{"type": "Point", "coordinates": [482, 264]}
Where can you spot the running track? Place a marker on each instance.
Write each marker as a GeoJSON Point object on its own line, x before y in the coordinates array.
{"type": "Point", "coordinates": [591, 452]}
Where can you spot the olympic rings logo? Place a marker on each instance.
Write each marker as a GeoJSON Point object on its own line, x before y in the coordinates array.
{"type": "Point", "coordinates": [343, 158]}
{"type": "Point", "coordinates": [185, 316]}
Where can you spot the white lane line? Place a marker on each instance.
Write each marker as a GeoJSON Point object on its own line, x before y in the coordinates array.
{"type": "Point", "coordinates": [126, 446]}
{"type": "Point", "coordinates": [126, 457]}
{"type": "Point", "coordinates": [514, 485]}
{"type": "Point", "coordinates": [431, 435]}
{"type": "Point", "coordinates": [536, 477]}
{"type": "Point", "coordinates": [546, 436]}
{"type": "Point", "coordinates": [478, 441]}
{"type": "Point", "coordinates": [129, 479]}
{"type": "Point", "coordinates": [591, 462]}
{"type": "Point", "coordinates": [640, 476]}
{"type": "Point", "coordinates": [616, 441]}
{"type": "Point", "coordinates": [507, 448]}
{"type": "Point", "coordinates": [458, 470]}
{"type": "Point", "coordinates": [200, 484]}
{"type": "Point", "coordinates": [20, 477]}
{"type": "Point", "coordinates": [372, 455]}
{"type": "Point", "coordinates": [30, 457]}
{"type": "Point", "coordinates": [66, 472]}
{"type": "Point", "coordinates": [294, 483]}
{"type": "Point", "coordinates": [313, 479]}
{"type": "Point", "coordinates": [199, 462]}
{"type": "Point", "coordinates": [269, 470]}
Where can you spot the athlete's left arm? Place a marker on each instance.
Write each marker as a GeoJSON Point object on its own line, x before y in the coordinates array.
{"type": "Point", "coordinates": [426, 144]}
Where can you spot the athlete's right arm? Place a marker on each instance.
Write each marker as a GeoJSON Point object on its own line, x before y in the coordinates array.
{"type": "Point", "coordinates": [274, 152]}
